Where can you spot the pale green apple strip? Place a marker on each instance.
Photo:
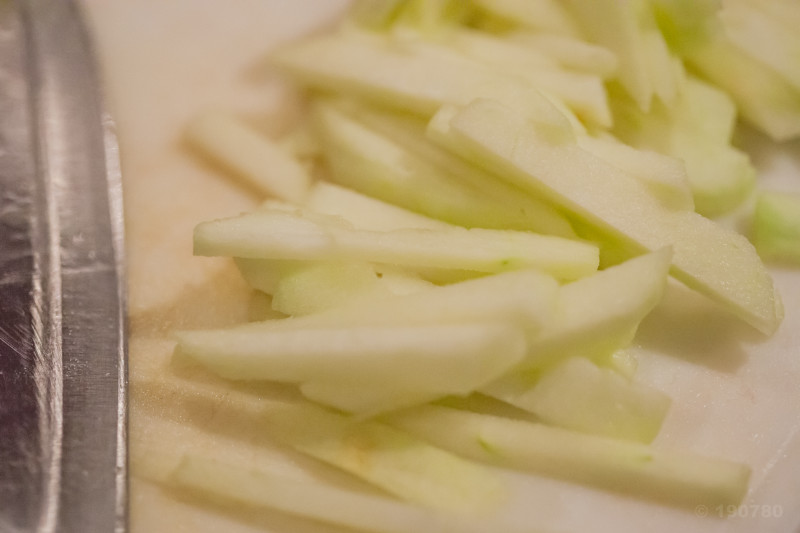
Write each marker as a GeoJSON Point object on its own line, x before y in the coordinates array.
{"type": "Point", "coordinates": [262, 274]}
{"type": "Point", "coordinates": [409, 76]}
{"type": "Point", "coordinates": [389, 459]}
{"type": "Point", "coordinates": [258, 488]}
{"type": "Point", "coordinates": [764, 36]}
{"type": "Point", "coordinates": [379, 166]}
{"type": "Point", "coordinates": [629, 467]}
{"type": "Point", "coordinates": [365, 212]}
{"type": "Point", "coordinates": [629, 30]}
{"type": "Point", "coordinates": [249, 155]}
{"type": "Point", "coordinates": [281, 235]}
{"type": "Point", "coordinates": [582, 92]}
{"type": "Point", "coordinates": [593, 317]}
{"type": "Point", "coordinates": [696, 128]}
{"type": "Point", "coordinates": [578, 395]}
{"type": "Point", "coordinates": [765, 98]}
{"type": "Point", "coordinates": [599, 314]}
{"type": "Point", "coordinates": [707, 257]}
{"type": "Point", "coordinates": [776, 226]}
{"type": "Point", "coordinates": [492, 200]}
{"type": "Point", "coordinates": [320, 285]}
{"type": "Point", "coordinates": [571, 53]}
{"type": "Point", "coordinates": [664, 175]}
{"type": "Point", "coordinates": [524, 298]}
{"type": "Point", "coordinates": [423, 362]}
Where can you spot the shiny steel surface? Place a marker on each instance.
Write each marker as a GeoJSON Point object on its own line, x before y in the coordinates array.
{"type": "Point", "coordinates": [62, 325]}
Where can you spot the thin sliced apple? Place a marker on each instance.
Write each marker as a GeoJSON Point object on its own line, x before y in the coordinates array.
{"type": "Point", "coordinates": [696, 128]}
{"type": "Point", "coordinates": [382, 456]}
{"type": "Point", "coordinates": [365, 212]}
{"type": "Point", "coordinates": [377, 165]}
{"type": "Point", "coordinates": [576, 394]}
{"type": "Point", "coordinates": [409, 76]}
{"type": "Point", "coordinates": [524, 298]}
{"type": "Point", "coordinates": [249, 155]}
{"type": "Point", "coordinates": [280, 235]}
{"type": "Point", "coordinates": [646, 67]}
{"type": "Point", "coordinates": [326, 503]}
{"type": "Point", "coordinates": [707, 257]}
{"type": "Point", "coordinates": [320, 285]}
{"type": "Point", "coordinates": [634, 468]}
{"type": "Point", "coordinates": [571, 53]}
{"type": "Point", "coordinates": [664, 175]}
{"type": "Point", "coordinates": [423, 362]}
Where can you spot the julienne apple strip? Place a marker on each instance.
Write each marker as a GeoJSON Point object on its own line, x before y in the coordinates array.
{"type": "Point", "coordinates": [371, 368]}
{"type": "Point", "coordinates": [245, 420]}
{"type": "Point", "coordinates": [577, 394]}
{"type": "Point", "coordinates": [524, 298]}
{"type": "Point", "coordinates": [718, 262]}
{"type": "Point", "coordinates": [257, 488]}
{"type": "Point", "coordinates": [628, 467]}
{"type": "Point", "coordinates": [435, 184]}
{"type": "Point", "coordinates": [647, 68]}
{"type": "Point", "coordinates": [273, 234]}
{"type": "Point", "coordinates": [711, 40]}
{"type": "Point", "coordinates": [697, 128]}
{"type": "Point", "coordinates": [249, 155]}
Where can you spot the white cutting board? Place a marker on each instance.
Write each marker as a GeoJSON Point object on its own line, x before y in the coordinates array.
{"type": "Point", "coordinates": [735, 395]}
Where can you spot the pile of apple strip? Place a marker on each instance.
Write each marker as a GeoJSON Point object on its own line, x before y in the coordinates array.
{"type": "Point", "coordinates": [505, 188]}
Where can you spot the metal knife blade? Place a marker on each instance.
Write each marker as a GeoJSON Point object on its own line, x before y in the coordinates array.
{"type": "Point", "coordinates": [62, 301]}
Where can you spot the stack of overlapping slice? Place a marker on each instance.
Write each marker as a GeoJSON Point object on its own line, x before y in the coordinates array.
{"type": "Point", "coordinates": [484, 202]}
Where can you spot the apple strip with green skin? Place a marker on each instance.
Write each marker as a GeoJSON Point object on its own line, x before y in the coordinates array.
{"type": "Point", "coordinates": [624, 466]}
{"type": "Point", "coordinates": [522, 298]}
{"type": "Point", "coordinates": [598, 315]}
{"type": "Point", "coordinates": [664, 175]}
{"type": "Point", "coordinates": [647, 69]}
{"type": "Point", "coordinates": [311, 287]}
{"type": "Point", "coordinates": [249, 155]}
{"type": "Point", "coordinates": [505, 206]}
{"type": "Point", "coordinates": [376, 165]}
{"type": "Point", "coordinates": [696, 128]}
{"type": "Point", "coordinates": [776, 226]}
{"type": "Point", "coordinates": [765, 98]}
{"type": "Point", "coordinates": [593, 317]}
{"type": "Point", "coordinates": [386, 458]}
{"type": "Point", "coordinates": [578, 395]}
{"type": "Point", "coordinates": [715, 261]}
{"type": "Point", "coordinates": [764, 35]}
{"type": "Point", "coordinates": [408, 76]}
{"type": "Point", "coordinates": [583, 93]}
{"type": "Point", "coordinates": [257, 488]}
{"type": "Point", "coordinates": [281, 235]}
{"type": "Point", "coordinates": [571, 53]}
{"type": "Point", "coordinates": [423, 362]}
{"type": "Point", "coordinates": [320, 285]}
{"type": "Point", "coordinates": [365, 212]}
